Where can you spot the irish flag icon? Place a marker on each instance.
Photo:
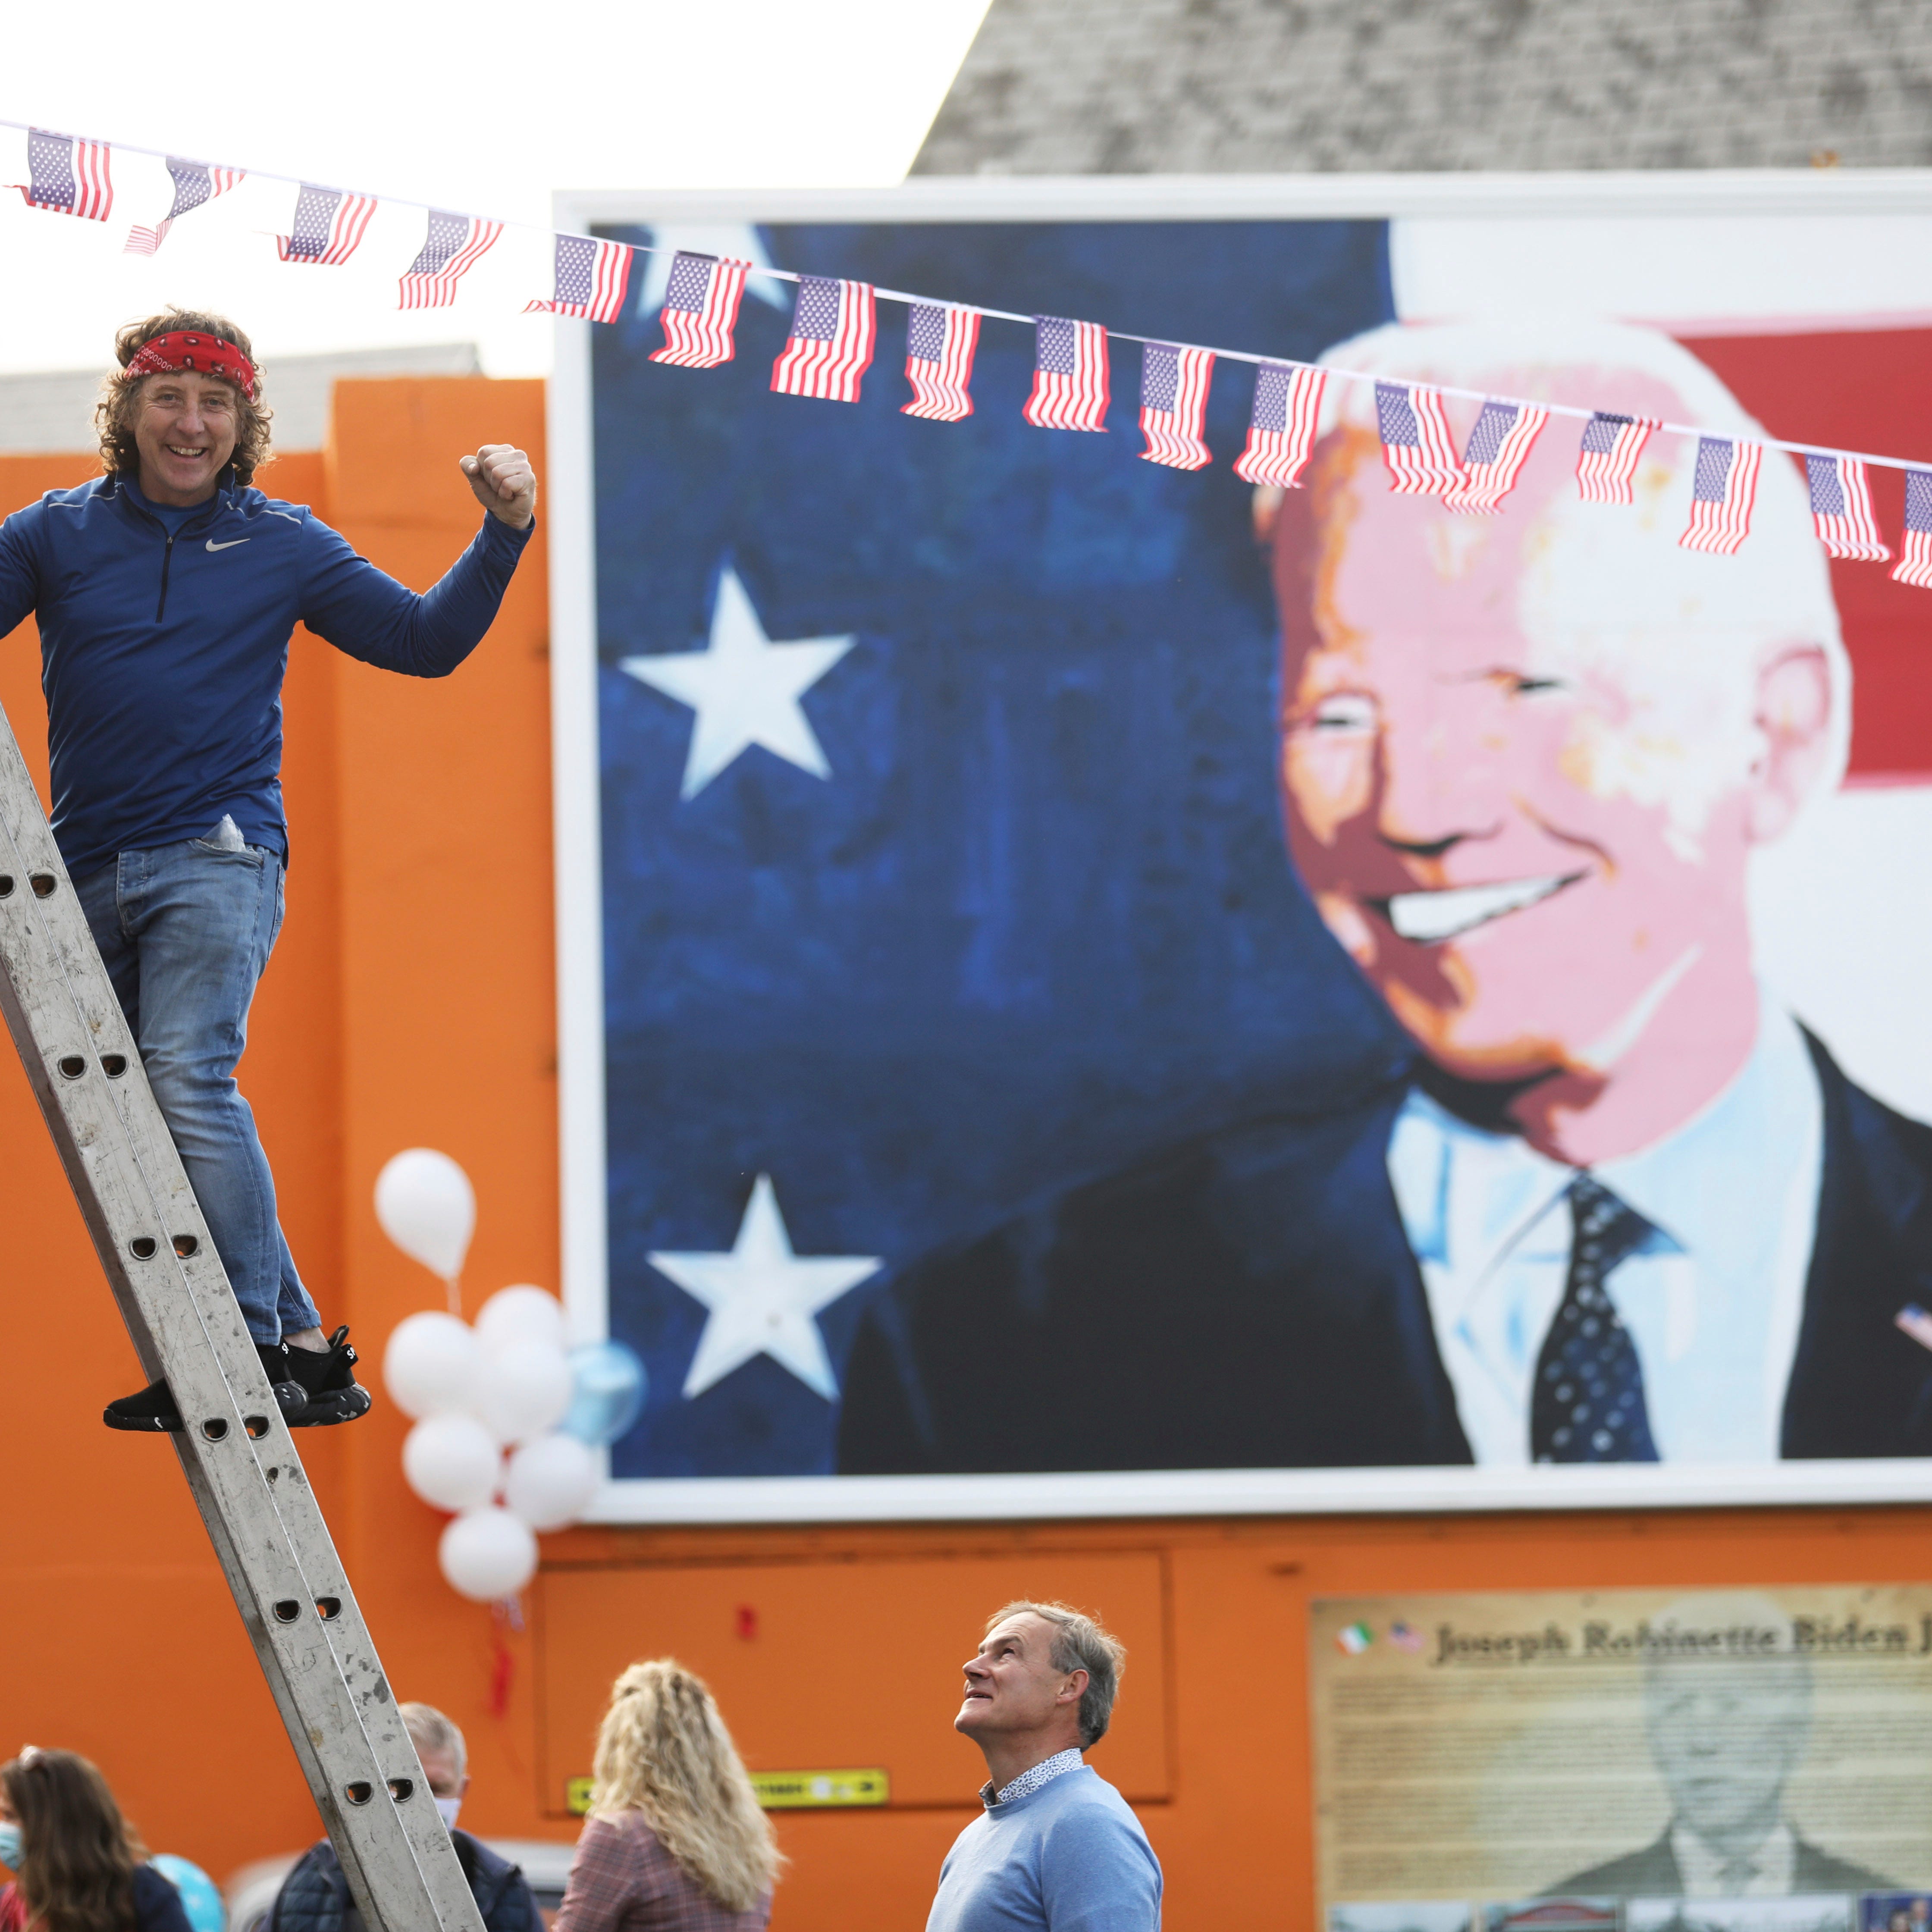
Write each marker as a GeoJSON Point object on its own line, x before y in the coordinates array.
{"type": "Point", "coordinates": [1355, 1639]}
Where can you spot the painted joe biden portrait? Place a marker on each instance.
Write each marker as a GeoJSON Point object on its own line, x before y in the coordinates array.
{"type": "Point", "coordinates": [1615, 1204]}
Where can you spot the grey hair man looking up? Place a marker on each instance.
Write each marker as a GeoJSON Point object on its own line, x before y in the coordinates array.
{"type": "Point", "coordinates": [1056, 1847]}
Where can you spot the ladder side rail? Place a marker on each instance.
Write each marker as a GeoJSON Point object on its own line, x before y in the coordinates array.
{"type": "Point", "coordinates": [301, 1516]}
{"type": "Point", "coordinates": [236, 1450]}
{"type": "Point", "coordinates": [282, 1610]}
{"type": "Point", "coordinates": [369, 1884]}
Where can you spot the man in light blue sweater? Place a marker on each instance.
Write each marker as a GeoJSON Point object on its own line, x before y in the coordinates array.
{"type": "Point", "coordinates": [1056, 1849]}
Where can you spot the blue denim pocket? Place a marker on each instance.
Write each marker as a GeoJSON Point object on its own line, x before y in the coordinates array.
{"type": "Point", "coordinates": [249, 855]}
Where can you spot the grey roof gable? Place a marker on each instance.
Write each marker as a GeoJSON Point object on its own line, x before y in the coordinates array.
{"type": "Point", "coordinates": [1261, 86]}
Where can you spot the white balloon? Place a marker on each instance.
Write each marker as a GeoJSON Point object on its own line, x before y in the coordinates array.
{"type": "Point", "coordinates": [515, 1315]}
{"type": "Point", "coordinates": [522, 1390]}
{"type": "Point", "coordinates": [487, 1554]}
{"type": "Point", "coordinates": [551, 1480]}
{"type": "Point", "coordinates": [453, 1462]}
{"type": "Point", "coordinates": [430, 1364]}
{"type": "Point", "coordinates": [428, 1207]}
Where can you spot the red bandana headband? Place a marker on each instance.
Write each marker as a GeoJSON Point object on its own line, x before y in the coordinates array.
{"type": "Point", "coordinates": [187, 349]}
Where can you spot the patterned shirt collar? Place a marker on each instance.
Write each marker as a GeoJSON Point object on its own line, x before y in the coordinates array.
{"type": "Point", "coordinates": [1028, 1782]}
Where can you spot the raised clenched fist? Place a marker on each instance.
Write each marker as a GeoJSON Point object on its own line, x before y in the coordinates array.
{"type": "Point", "coordinates": [502, 480]}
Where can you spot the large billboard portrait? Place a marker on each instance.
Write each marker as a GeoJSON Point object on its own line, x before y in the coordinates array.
{"type": "Point", "coordinates": [1088, 986]}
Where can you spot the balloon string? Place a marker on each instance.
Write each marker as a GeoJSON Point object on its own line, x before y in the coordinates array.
{"type": "Point", "coordinates": [454, 1282]}
{"type": "Point", "coordinates": [503, 1667]}
{"type": "Point", "coordinates": [502, 1662]}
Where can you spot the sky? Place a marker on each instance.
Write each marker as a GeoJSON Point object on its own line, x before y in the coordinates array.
{"type": "Point", "coordinates": [486, 109]}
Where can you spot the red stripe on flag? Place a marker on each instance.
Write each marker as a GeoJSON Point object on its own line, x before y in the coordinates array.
{"type": "Point", "coordinates": [705, 338]}
{"type": "Point", "coordinates": [1077, 399]}
{"type": "Point", "coordinates": [1718, 526]}
{"type": "Point", "coordinates": [831, 369]}
{"type": "Point", "coordinates": [940, 387]}
{"type": "Point", "coordinates": [1277, 457]}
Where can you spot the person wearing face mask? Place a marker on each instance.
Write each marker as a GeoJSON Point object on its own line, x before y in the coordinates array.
{"type": "Point", "coordinates": [78, 1865]}
{"type": "Point", "coordinates": [314, 1897]}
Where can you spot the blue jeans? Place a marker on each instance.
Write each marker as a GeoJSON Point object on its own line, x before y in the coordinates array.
{"type": "Point", "coordinates": [185, 932]}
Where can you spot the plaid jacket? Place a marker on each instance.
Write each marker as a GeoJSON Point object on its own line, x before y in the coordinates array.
{"type": "Point", "coordinates": [623, 1879]}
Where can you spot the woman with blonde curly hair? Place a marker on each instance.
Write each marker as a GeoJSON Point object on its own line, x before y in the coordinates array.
{"type": "Point", "coordinates": [675, 1841]}
{"type": "Point", "coordinates": [78, 1865]}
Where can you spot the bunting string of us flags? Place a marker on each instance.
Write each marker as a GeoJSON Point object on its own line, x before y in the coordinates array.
{"type": "Point", "coordinates": [834, 332]}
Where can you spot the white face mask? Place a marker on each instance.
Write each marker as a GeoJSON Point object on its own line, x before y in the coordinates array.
{"type": "Point", "coordinates": [446, 1810]}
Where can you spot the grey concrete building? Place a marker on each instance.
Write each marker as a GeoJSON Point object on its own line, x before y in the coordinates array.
{"type": "Point", "coordinates": [1267, 86]}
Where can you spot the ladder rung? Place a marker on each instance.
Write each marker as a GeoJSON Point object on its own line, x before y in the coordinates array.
{"type": "Point", "coordinates": [241, 1463]}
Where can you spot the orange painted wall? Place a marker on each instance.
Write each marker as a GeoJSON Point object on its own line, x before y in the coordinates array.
{"type": "Point", "coordinates": [411, 1001]}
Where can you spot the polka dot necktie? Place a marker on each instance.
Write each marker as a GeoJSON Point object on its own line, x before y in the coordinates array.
{"type": "Point", "coordinates": [1588, 1404]}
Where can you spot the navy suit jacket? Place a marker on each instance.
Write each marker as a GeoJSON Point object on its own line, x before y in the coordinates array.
{"type": "Point", "coordinates": [1652, 1873]}
{"type": "Point", "coordinates": [1247, 1299]}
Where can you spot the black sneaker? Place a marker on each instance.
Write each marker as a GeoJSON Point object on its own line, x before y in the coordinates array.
{"type": "Point", "coordinates": [277, 1364]}
{"type": "Point", "coordinates": [154, 1407]}
{"type": "Point", "coordinates": [327, 1377]}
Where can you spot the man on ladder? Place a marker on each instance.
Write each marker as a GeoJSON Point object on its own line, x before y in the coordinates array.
{"type": "Point", "coordinates": [167, 592]}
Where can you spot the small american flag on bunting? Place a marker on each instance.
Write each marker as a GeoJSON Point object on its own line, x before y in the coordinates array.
{"type": "Point", "coordinates": [66, 176]}
{"type": "Point", "coordinates": [700, 311]}
{"type": "Point", "coordinates": [1069, 375]}
{"type": "Point", "coordinates": [1174, 404]}
{"type": "Point", "coordinates": [1723, 492]}
{"type": "Point", "coordinates": [1915, 563]}
{"type": "Point", "coordinates": [1607, 460]}
{"type": "Point", "coordinates": [1841, 509]}
{"type": "Point", "coordinates": [1281, 431]}
{"type": "Point", "coordinates": [452, 246]}
{"type": "Point", "coordinates": [939, 345]}
{"type": "Point", "coordinates": [1498, 446]}
{"type": "Point", "coordinates": [588, 280]}
{"type": "Point", "coordinates": [328, 225]}
{"type": "Point", "coordinates": [833, 327]}
{"type": "Point", "coordinates": [195, 184]}
{"type": "Point", "coordinates": [1421, 459]}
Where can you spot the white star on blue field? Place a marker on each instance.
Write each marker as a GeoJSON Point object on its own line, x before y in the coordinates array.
{"type": "Point", "coordinates": [745, 689]}
{"type": "Point", "coordinates": [761, 1298]}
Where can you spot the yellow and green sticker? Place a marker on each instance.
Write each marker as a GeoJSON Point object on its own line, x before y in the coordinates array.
{"type": "Point", "coordinates": [782, 1790]}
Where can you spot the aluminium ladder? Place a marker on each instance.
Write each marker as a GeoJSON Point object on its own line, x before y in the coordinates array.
{"type": "Point", "coordinates": [235, 1449]}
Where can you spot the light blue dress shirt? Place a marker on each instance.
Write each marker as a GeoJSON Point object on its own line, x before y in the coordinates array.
{"type": "Point", "coordinates": [1713, 1299]}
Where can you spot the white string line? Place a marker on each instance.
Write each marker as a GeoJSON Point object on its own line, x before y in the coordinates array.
{"type": "Point", "coordinates": [1441, 388]}
{"type": "Point", "coordinates": [1006, 315]}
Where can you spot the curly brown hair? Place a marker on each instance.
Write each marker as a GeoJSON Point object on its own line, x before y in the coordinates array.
{"type": "Point", "coordinates": [77, 1870]}
{"type": "Point", "coordinates": [114, 414]}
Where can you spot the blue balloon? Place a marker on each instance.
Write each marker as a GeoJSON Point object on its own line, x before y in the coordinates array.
{"type": "Point", "coordinates": [200, 1895]}
{"type": "Point", "coordinates": [608, 1383]}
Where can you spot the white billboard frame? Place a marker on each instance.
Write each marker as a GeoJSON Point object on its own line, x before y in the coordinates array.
{"type": "Point", "coordinates": [1709, 253]}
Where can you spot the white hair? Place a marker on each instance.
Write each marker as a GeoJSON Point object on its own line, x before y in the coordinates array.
{"type": "Point", "coordinates": [1717, 1622]}
{"type": "Point", "coordinates": [433, 1735]}
{"type": "Point", "coordinates": [1609, 585]}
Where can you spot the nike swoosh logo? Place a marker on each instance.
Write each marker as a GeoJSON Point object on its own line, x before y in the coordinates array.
{"type": "Point", "coordinates": [230, 545]}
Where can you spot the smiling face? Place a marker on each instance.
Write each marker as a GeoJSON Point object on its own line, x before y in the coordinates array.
{"type": "Point", "coordinates": [1520, 781]}
{"type": "Point", "coordinates": [185, 426]}
{"type": "Point", "coordinates": [1012, 1688]}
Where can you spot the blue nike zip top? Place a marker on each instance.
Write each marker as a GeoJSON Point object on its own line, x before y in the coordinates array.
{"type": "Point", "coordinates": [163, 650]}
